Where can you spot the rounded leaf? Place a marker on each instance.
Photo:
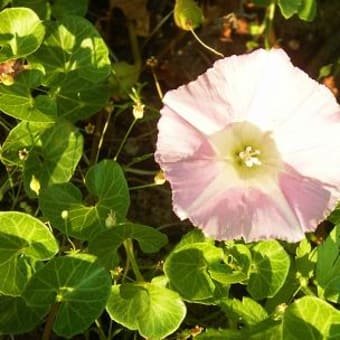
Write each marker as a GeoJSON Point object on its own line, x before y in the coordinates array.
{"type": "Point", "coordinates": [16, 317]}
{"type": "Point", "coordinates": [106, 182]}
{"type": "Point", "coordinates": [154, 311]}
{"type": "Point", "coordinates": [23, 239]}
{"type": "Point", "coordinates": [187, 14]}
{"type": "Point", "coordinates": [21, 33]}
{"type": "Point", "coordinates": [79, 286]}
{"type": "Point", "coordinates": [270, 267]}
{"type": "Point", "coordinates": [311, 318]}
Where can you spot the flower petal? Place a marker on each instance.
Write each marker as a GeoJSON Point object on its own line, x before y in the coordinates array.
{"type": "Point", "coordinates": [310, 199]}
{"type": "Point", "coordinates": [221, 95]}
{"type": "Point", "coordinates": [177, 140]}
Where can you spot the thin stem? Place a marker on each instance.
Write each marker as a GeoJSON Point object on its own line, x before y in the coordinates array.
{"type": "Point", "coordinates": [150, 185]}
{"type": "Point", "coordinates": [101, 333]}
{"type": "Point", "coordinates": [205, 45]}
{"type": "Point", "coordinates": [128, 245]}
{"type": "Point", "coordinates": [268, 23]}
{"type": "Point", "coordinates": [49, 322]}
{"type": "Point", "coordinates": [158, 86]}
{"type": "Point", "coordinates": [307, 291]}
{"type": "Point", "coordinates": [125, 138]}
{"type": "Point", "coordinates": [140, 172]}
{"type": "Point", "coordinates": [102, 135]}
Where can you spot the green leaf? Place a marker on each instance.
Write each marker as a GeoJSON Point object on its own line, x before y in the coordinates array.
{"type": "Point", "coordinates": [16, 317]}
{"type": "Point", "coordinates": [62, 204]}
{"type": "Point", "coordinates": [311, 318]}
{"type": "Point", "coordinates": [21, 33]}
{"type": "Point", "coordinates": [270, 269]}
{"type": "Point", "coordinates": [187, 14]}
{"type": "Point", "coordinates": [23, 239]}
{"type": "Point", "coordinates": [62, 7]}
{"type": "Point", "coordinates": [305, 259]}
{"type": "Point", "coordinates": [53, 151]}
{"type": "Point", "coordinates": [289, 7]}
{"type": "Point", "coordinates": [187, 270]}
{"type": "Point", "coordinates": [73, 47]}
{"type": "Point", "coordinates": [154, 311]}
{"type": "Point", "coordinates": [307, 11]}
{"type": "Point", "coordinates": [78, 98]}
{"type": "Point", "coordinates": [106, 244]}
{"type": "Point", "coordinates": [328, 267]}
{"type": "Point", "coordinates": [286, 292]}
{"type": "Point", "coordinates": [41, 7]}
{"type": "Point", "coordinates": [247, 311]}
{"type": "Point", "coordinates": [224, 274]}
{"type": "Point", "coordinates": [79, 286]}
{"type": "Point", "coordinates": [17, 101]}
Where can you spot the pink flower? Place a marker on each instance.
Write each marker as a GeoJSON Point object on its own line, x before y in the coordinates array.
{"type": "Point", "coordinates": [252, 149]}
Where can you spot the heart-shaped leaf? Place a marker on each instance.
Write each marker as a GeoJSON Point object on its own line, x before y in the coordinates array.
{"type": "Point", "coordinates": [52, 151]}
{"type": "Point", "coordinates": [73, 46]}
{"type": "Point", "coordinates": [154, 311]}
{"type": "Point", "coordinates": [21, 33]}
{"type": "Point", "coordinates": [63, 205]}
{"type": "Point", "coordinates": [270, 268]}
{"type": "Point", "coordinates": [16, 317]}
{"type": "Point", "coordinates": [187, 270]}
{"type": "Point", "coordinates": [78, 286]}
{"type": "Point", "coordinates": [311, 318]}
{"type": "Point", "coordinates": [23, 239]}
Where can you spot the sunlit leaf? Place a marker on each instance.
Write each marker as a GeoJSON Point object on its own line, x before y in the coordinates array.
{"type": "Point", "coordinates": [311, 318]}
{"type": "Point", "coordinates": [63, 204]}
{"type": "Point", "coordinates": [52, 151]}
{"type": "Point", "coordinates": [328, 267]}
{"type": "Point", "coordinates": [17, 100]}
{"type": "Point", "coordinates": [21, 33]}
{"type": "Point", "coordinates": [247, 311]}
{"type": "Point", "coordinates": [41, 7]}
{"type": "Point", "coordinates": [187, 270]}
{"type": "Point", "coordinates": [23, 239]}
{"type": "Point", "coordinates": [72, 44]}
{"type": "Point", "coordinates": [270, 268]}
{"type": "Point", "coordinates": [187, 14]}
{"type": "Point", "coordinates": [77, 284]}
{"type": "Point", "coordinates": [154, 311]}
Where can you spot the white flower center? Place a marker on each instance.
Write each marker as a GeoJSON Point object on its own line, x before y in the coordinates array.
{"type": "Point", "coordinates": [250, 157]}
{"type": "Point", "coordinates": [247, 152]}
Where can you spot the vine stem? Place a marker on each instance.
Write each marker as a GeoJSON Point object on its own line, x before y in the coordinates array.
{"type": "Point", "coordinates": [158, 86]}
{"type": "Point", "coordinates": [49, 322]}
{"type": "Point", "coordinates": [268, 22]}
{"type": "Point", "coordinates": [144, 186]}
{"type": "Point", "coordinates": [102, 135]}
{"type": "Point", "coordinates": [205, 45]}
{"type": "Point", "coordinates": [128, 245]}
{"type": "Point", "coordinates": [125, 138]}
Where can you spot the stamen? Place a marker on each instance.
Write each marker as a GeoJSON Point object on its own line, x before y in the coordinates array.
{"type": "Point", "coordinates": [250, 157]}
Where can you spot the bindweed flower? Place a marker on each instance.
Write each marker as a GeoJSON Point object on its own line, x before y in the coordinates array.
{"type": "Point", "coordinates": [252, 149]}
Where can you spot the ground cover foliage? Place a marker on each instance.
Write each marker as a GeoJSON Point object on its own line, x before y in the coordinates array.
{"type": "Point", "coordinates": [89, 246]}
